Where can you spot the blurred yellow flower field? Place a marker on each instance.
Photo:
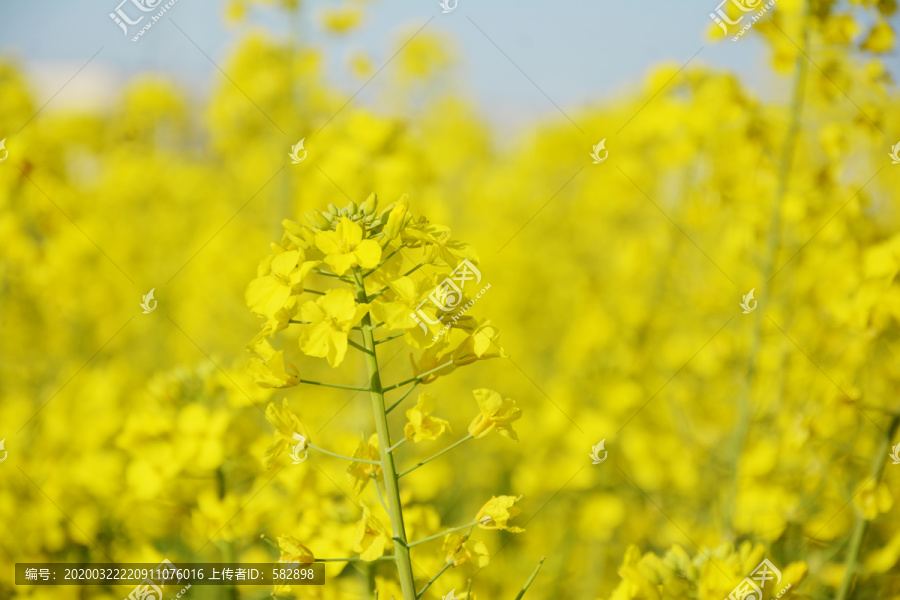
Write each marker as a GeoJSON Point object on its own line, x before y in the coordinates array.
{"type": "Point", "coordinates": [397, 355]}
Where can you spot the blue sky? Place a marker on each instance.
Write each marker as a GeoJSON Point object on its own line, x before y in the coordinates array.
{"type": "Point", "coordinates": [576, 52]}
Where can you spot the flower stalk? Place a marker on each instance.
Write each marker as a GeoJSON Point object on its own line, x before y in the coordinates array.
{"type": "Point", "coordinates": [336, 455]}
{"type": "Point", "coordinates": [440, 535]}
{"type": "Point", "coordinates": [434, 456]}
{"type": "Point", "coordinates": [391, 484]}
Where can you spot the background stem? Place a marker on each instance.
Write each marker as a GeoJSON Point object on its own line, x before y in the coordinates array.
{"type": "Point", "coordinates": [862, 525]}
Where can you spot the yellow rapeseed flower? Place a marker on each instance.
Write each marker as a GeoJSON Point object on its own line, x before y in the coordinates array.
{"type": "Point", "coordinates": [422, 426]}
{"type": "Point", "coordinates": [370, 540]}
{"type": "Point", "coordinates": [497, 512]}
{"type": "Point", "coordinates": [460, 551]}
{"type": "Point", "coordinates": [359, 473]}
{"type": "Point", "coordinates": [280, 277]}
{"type": "Point", "coordinates": [496, 413]}
{"type": "Point", "coordinates": [330, 319]}
{"type": "Point", "coordinates": [269, 370]}
{"type": "Point", "coordinates": [345, 247]}
{"type": "Point", "coordinates": [289, 431]}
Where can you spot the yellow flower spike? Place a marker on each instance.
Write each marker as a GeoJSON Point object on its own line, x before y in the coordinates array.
{"type": "Point", "coordinates": [397, 218]}
{"type": "Point", "coordinates": [270, 371]}
{"type": "Point", "coordinates": [370, 541]}
{"type": "Point", "coordinates": [359, 473]}
{"type": "Point", "coordinates": [460, 551]}
{"type": "Point", "coordinates": [422, 426]}
{"type": "Point", "coordinates": [497, 512]}
{"type": "Point", "coordinates": [269, 293]}
{"type": "Point", "coordinates": [496, 413]}
{"type": "Point", "coordinates": [330, 317]}
{"type": "Point", "coordinates": [345, 247]}
{"type": "Point", "coordinates": [293, 551]}
{"type": "Point", "coordinates": [288, 429]}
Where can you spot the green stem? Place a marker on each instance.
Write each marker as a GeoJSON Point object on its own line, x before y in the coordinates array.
{"type": "Point", "coordinates": [317, 292]}
{"type": "Point", "coordinates": [433, 579]}
{"type": "Point", "coordinates": [336, 455]}
{"type": "Point", "coordinates": [390, 337]}
{"type": "Point", "coordinates": [378, 491]}
{"type": "Point", "coordinates": [414, 269]}
{"type": "Point", "coordinates": [403, 397]}
{"type": "Point", "coordinates": [389, 256]}
{"type": "Point", "coordinates": [327, 274]}
{"type": "Point", "coordinates": [434, 456]}
{"type": "Point", "coordinates": [469, 590]}
{"type": "Point", "coordinates": [862, 525]}
{"type": "Point", "coordinates": [391, 484]}
{"type": "Point", "coordinates": [418, 377]}
{"type": "Point", "coordinates": [357, 346]}
{"type": "Point", "coordinates": [397, 445]}
{"type": "Point", "coordinates": [530, 580]}
{"type": "Point", "coordinates": [335, 385]}
{"type": "Point", "coordinates": [440, 535]}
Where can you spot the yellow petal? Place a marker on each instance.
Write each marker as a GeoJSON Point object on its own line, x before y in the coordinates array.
{"type": "Point", "coordinates": [349, 232]}
{"type": "Point", "coordinates": [266, 295]}
{"type": "Point", "coordinates": [328, 242]}
{"type": "Point", "coordinates": [368, 254]}
{"type": "Point", "coordinates": [341, 263]}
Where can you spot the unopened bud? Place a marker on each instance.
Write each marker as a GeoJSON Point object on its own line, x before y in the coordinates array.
{"type": "Point", "coordinates": [397, 217]}
{"type": "Point", "coordinates": [370, 204]}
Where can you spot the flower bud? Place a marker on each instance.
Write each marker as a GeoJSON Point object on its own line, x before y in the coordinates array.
{"type": "Point", "coordinates": [370, 204]}
{"type": "Point", "coordinates": [352, 208]}
{"type": "Point", "coordinates": [318, 220]}
{"type": "Point", "coordinates": [397, 217]}
{"type": "Point", "coordinates": [334, 209]}
{"type": "Point", "coordinates": [292, 227]}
